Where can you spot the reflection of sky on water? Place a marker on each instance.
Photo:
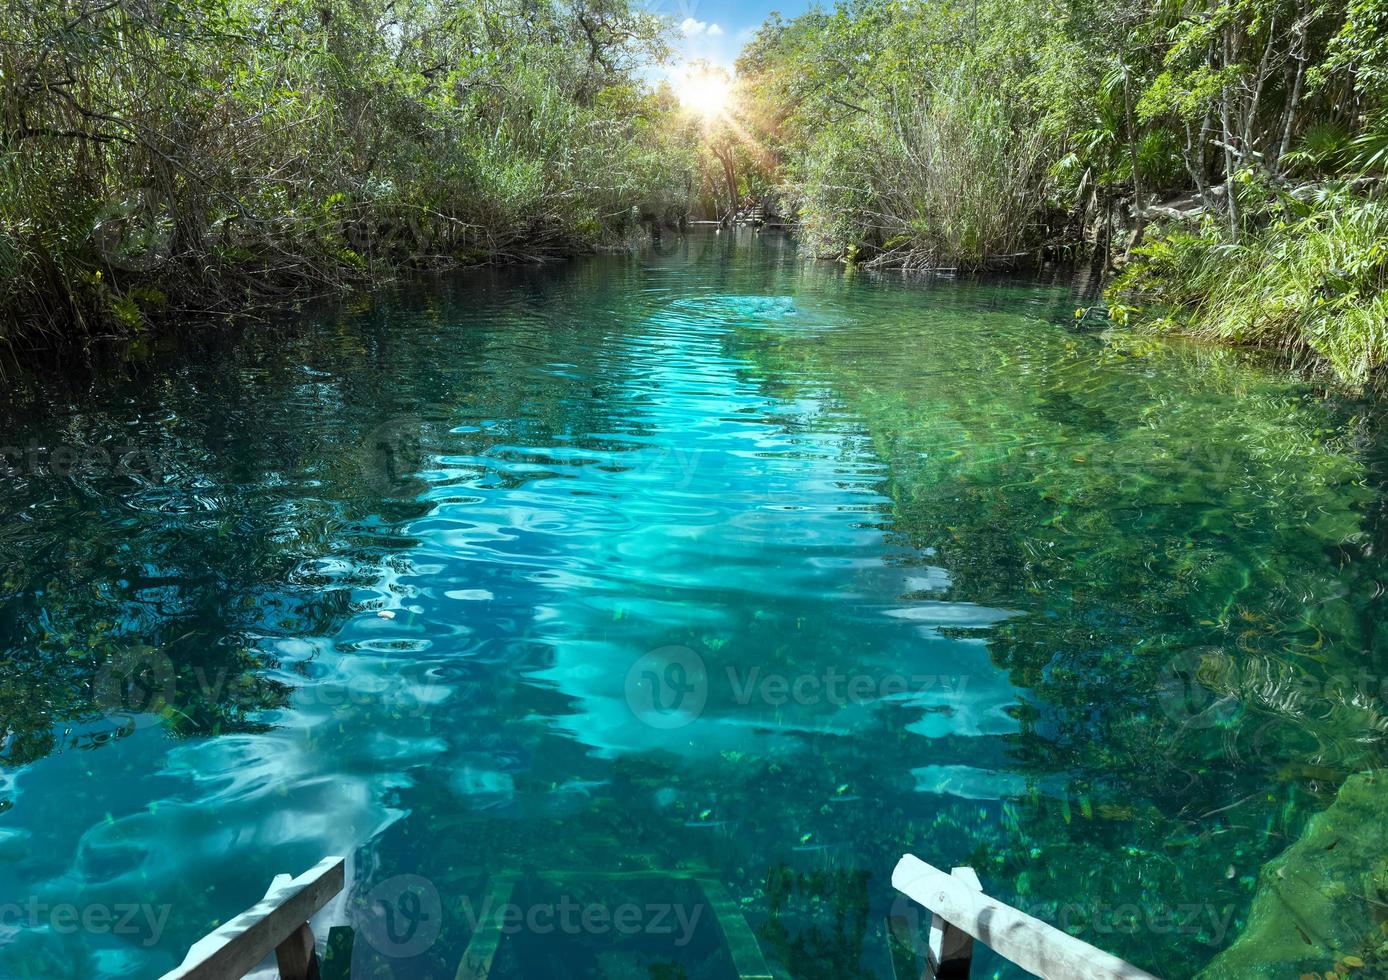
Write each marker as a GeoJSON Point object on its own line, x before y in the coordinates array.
{"type": "Point", "coordinates": [724, 481]}
{"type": "Point", "coordinates": [744, 528]}
{"type": "Point", "coordinates": [463, 532]}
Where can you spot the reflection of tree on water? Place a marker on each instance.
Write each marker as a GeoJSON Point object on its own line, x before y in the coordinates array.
{"type": "Point", "coordinates": [272, 447]}
{"type": "Point", "coordinates": [1065, 530]}
{"type": "Point", "coordinates": [1136, 521]}
{"type": "Point", "coordinates": [182, 569]}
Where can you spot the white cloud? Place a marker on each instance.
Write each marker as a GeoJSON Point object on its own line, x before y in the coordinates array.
{"type": "Point", "coordinates": [693, 28]}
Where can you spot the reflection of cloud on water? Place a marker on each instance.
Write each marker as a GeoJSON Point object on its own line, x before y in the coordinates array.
{"type": "Point", "coordinates": [972, 702]}
{"type": "Point", "coordinates": [961, 615]}
{"type": "Point", "coordinates": [977, 701]}
{"type": "Point", "coordinates": [236, 809]}
{"type": "Point", "coordinates": [482, 788]}
{"type": "Point", "coordinates": [750, 701]}
{"type": "Point", "coordinates": [970, 783]}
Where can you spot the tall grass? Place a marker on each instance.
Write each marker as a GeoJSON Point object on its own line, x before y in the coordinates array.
{"type": "Point", "coordinates": [1312, 281]}
{"type": "Point", "coordinates": [959, 180]}
{"type": "Point", "coordinates": [951, 177]}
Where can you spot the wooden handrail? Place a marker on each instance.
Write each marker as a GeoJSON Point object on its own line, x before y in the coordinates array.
{"type": "Point", "coordinates": [962, 910]}
{"type": "Point", "coordinates": [278, 923]}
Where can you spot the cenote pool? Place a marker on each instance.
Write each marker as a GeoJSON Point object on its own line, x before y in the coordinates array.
{"type": "Point", "coordinates": [681, 586]}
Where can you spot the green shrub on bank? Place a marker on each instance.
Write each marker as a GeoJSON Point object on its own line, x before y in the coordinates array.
{"type": "Point", "coordinates": [971, 134]}
{"type": "Point", "coordinates": [224, 150]}
{"type": "Point", "coordinates": [1313, 281]}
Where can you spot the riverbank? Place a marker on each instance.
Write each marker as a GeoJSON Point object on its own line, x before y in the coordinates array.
{"type": "Point", "coordinates": [210, 157]}
{"type": "Point", "coordinates": [1310, 280]}
{"type": "Point", "coordinates": [962, 133]}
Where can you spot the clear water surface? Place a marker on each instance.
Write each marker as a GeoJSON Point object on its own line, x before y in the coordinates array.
{"type": "Point", "coordinates": [703, 581]}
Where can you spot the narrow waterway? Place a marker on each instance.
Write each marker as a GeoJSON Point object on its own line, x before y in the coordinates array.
{"type": "Point", "coordinates": [698, 565]}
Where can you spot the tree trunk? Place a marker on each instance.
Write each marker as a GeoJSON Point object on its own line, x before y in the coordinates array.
{"type": "Point", "coordinates": [1194, 156]}
{"type": "Point", "coordinates": [1139, 211]}
{"type": "Point", "coordinates": [1230, 158]}
{"type": "Point", "coordinates": [730, 175]}
{"type": "Point", "coordinates": [1289, 119]}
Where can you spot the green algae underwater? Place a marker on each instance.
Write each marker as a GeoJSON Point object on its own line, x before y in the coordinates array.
{"type": "Point", "coordinates": [696, 584]}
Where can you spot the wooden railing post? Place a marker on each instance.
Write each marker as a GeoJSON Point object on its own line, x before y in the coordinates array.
{"type": "Point", "coordinates": [296, 957]}
{"type": "Point", "coordinates": [951, 952]}
{"type": "Point", "coordinates": [960, 906]}
{"type": "Point", "coordinates": [278, 923]}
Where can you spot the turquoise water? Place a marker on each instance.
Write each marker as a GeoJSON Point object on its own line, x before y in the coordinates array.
{"type": "Point", "coordinates": [641, 578]}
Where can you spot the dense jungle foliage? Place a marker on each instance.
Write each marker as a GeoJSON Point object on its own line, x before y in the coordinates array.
{"type": "Point", "coordinates": [1229, 152]}
{"type": "Point", "coordinates": [199, 154]}
{"type": "Point", "coordinates": [206, 152]}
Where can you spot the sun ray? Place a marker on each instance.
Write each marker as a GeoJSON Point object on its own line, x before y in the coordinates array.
{"type": "Point", "coordinates": [704, 90]}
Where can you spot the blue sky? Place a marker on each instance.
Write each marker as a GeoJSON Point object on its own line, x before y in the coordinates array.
{"type": "Point", "coordinates": [716, 30]}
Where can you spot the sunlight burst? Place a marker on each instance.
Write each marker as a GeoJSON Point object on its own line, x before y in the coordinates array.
{"type": "Point", "coordinates": [705, 91]}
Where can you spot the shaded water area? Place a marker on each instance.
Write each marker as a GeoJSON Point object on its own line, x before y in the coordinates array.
{"type": "Point", "coordinates": [702, 565]}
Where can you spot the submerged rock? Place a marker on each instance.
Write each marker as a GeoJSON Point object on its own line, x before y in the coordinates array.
{"type": "Point", "coordinates": [1320, 904]}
